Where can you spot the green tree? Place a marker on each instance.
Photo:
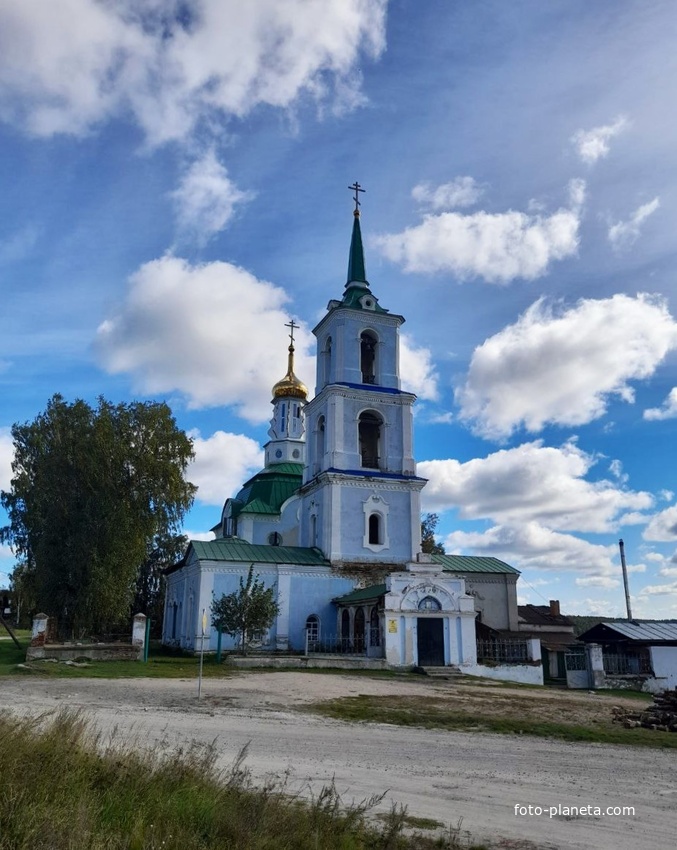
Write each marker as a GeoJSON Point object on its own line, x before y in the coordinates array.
{"type": "Point", "coordinates": [149, 590]}
{"type": "Point", "coordinates": [250, 609]}
{"type": "Point", "coordinates": [428, 542]}
{"type": "Point", "coordinates": [93, 492]}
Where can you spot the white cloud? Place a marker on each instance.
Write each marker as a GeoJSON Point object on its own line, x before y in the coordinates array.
{"type": "Point", "coordinates": [461, 192]}
{"type": "Point", "coordinates": [668, 572]}
{"type": "Point", "coordinates": [417, 370]}
{"type": "Point", "coordinates": [69, 66]}
{"type": "Point", "coordinates": [663, 526]}
{"type": "Point", "coordinates": [498, 247]}
{"type": "Point", "coordinates": [199, 535]}
{"type": "Point", "coordinates": [6, 458]}
{"type": "Point", "coordinates": [592, 145]}
{"type": "Point", "coordinates": [659, 589]}
{"type": "Point", "coordinates": [206, 198]}
{"type": "Point", "coordinates": [624, 233]}
{"type": "Point", "coordinates": [561, 366]}
{"type": "Point", "coordinates": [616, 469]}
{"type": "Point", "coordinates": [531, 546]}
{"type": "Point", "coordinates": [213, 332]}
{"type": "Point", "coordinates": [598, 581]}
{"type": "Point", "coordinates": [222, 463]}
{"type": "Point", "coordinates": [668, 410]}
{"type": "Point", "coordinates": [529, 483]}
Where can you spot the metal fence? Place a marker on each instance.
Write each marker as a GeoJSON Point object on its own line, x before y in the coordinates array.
{"type": "Point", "coordinates": [627, 663]}
{"type": "Point", "coordinates": [502, 651]}
{"type": "Point", "coordinates": [334, 645]}
{"type": "Point", "coordinates": [576, 661]}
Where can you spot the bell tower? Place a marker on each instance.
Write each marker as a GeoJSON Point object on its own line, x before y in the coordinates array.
{"type": "Point", "coordinates": [287, 428]}
{"type": "Point", "coordinates": [360, 493]}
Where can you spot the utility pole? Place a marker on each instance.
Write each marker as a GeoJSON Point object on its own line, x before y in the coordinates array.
{"type": "Point", "coordinates": [621, 546]}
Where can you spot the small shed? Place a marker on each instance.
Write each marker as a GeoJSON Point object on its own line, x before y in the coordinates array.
{"type": "Point", "coordinates": [644, 650]}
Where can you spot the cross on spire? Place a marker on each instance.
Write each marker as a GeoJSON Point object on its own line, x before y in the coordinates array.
{"type": "Point", "coordinates": [291, 325]}
{"type": "Point", "coordinates": [357, 189]}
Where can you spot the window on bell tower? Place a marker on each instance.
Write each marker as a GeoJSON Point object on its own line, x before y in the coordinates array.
{"type": "Point", "coordinates": [369, 431]}
{"type": "Point", "coordinates": [368, 344]}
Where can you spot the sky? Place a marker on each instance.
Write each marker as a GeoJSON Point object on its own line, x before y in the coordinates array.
{"type": "Point", "coordinates": [174, 187]}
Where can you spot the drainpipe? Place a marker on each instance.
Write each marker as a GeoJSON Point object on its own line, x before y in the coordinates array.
{"type": "Point", "coordinates": [625, 579]}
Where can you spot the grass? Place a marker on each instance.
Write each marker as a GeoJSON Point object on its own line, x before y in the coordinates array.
{"type": "Point", "coordinates": [162, 664]}
{"type": "Point", "coordinates": [64, 788]}
{"type": "Point", "coordinates": [510, 718]}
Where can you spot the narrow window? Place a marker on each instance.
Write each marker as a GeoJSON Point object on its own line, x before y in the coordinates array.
{"type": "Point", "coordinates": [359, 630]}
{"type": "Point", "coordinates": [369, 429]}
{"type": "Point", "coordinates": [345, 625]}
{"type": "Point", "coordinates": [320, 442]}
{"type": "Point", "coordinates": [327, 361]}
{"type": "Point", "coordinates": [374, 628]}
{"type": "Point", "coordinates": [313, 628]}
{"type": "Point", "coordinates": [368, 357]}
{"type": "Point", "coordinates": [375, 528]}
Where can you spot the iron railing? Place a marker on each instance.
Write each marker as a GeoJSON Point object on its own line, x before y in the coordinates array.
{"type": "Point", "coordinates": [633, 662]}
{"type": "Point", "coordinates": [502, 651]}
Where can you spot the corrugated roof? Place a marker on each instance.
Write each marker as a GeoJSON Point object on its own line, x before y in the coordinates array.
{"type": "Point", "coordinates": [234, 550]}
{"type": "Point", "coordinates": [361, 594]}
{"type": "Point", "coordinates": [646, 631]}
{"type": "Point", "coordinates": [472, 564]}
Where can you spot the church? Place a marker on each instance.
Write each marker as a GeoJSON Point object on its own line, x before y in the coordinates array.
{"type": "Point", "coordinates": [333, 520]}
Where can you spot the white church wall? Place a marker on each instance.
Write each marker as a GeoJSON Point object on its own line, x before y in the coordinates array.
{"type": "Point", "coordinates": [524, 674]}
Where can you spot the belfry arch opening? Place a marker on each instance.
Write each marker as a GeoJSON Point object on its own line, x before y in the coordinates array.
{"type": "Point", "coordinates": [370, 425]}
{"type": "Point", "coordinates": [368, 345]}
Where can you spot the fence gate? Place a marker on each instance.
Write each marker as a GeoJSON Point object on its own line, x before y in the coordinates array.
{"type": "Point", "coordinates": [578, 669]}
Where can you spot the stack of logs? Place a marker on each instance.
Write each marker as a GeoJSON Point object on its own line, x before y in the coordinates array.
{"type": "Point", "coordinates": [661, 715]}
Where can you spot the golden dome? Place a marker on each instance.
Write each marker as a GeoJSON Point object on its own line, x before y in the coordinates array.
{"type": "Point", "coordinates": [290, 384]}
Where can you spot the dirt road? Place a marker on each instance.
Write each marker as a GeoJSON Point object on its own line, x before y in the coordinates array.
{"type": "Point", "coordinates": [442, 775]}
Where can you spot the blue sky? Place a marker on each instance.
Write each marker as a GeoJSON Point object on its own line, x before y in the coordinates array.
{"type": "Point", "coordinates": [174, 187]}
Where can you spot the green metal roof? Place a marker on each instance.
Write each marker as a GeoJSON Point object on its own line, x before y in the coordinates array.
{"type": "Point", "coordinates": [361, 594]}
{"type": "Point", "coordinates": [472, 564]}
{"type": "Point", "coordinates": [268, 490]}
{"type": "Point", "coordinates": [356, 268]}
{"type": "Point", "coordinates": [357, 285]}
{"type": "Point", "coordinates": [235, 550]}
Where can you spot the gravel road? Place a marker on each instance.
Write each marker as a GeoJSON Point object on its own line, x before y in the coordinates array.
{"type": "Point", "coordinates": [443, 775]}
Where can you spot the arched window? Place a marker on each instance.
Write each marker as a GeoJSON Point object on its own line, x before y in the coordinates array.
{"type": "Point", "coordinates": [359, 630]}
{"type": "Point", "coordinates": [375, 535]}
{"type": "Point", "coordinates": [327, 361]}
{"type": "Point", "coordinates": [429, 603]}
{"type": "Point", "coordinates": [369, 430]}
{"type": "Point", "coordinates": [321, 434]}
{"type": "Point", "coordinates": [374, 627]}
{"type": "Point", "coordinates": [313, 530]}
{"type": "Point", "coordinates": [313, 628]}
{"type": "Point", "coordinates": [275, 538]}
{"type": "Point", "coordinates": [345, 625]}
{"type": "Point", "coordinates": [368, 344]}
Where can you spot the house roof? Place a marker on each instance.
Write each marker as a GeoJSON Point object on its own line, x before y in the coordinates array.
{"type": "Point", "coordinates": [648, 631]}
{"type": "Point", "coordinates": [362, 594]}
{"type": "Point", "coordinates": [541, 615]}
{"type": "Point", "coordinates": [472, 564]}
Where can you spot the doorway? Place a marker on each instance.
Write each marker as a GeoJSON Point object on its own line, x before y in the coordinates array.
{"type": "Point", "coordinates": [430, 641]}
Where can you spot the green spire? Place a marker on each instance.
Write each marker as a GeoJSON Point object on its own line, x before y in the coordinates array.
{"type": "Point", "coordinates": [356, 271]}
